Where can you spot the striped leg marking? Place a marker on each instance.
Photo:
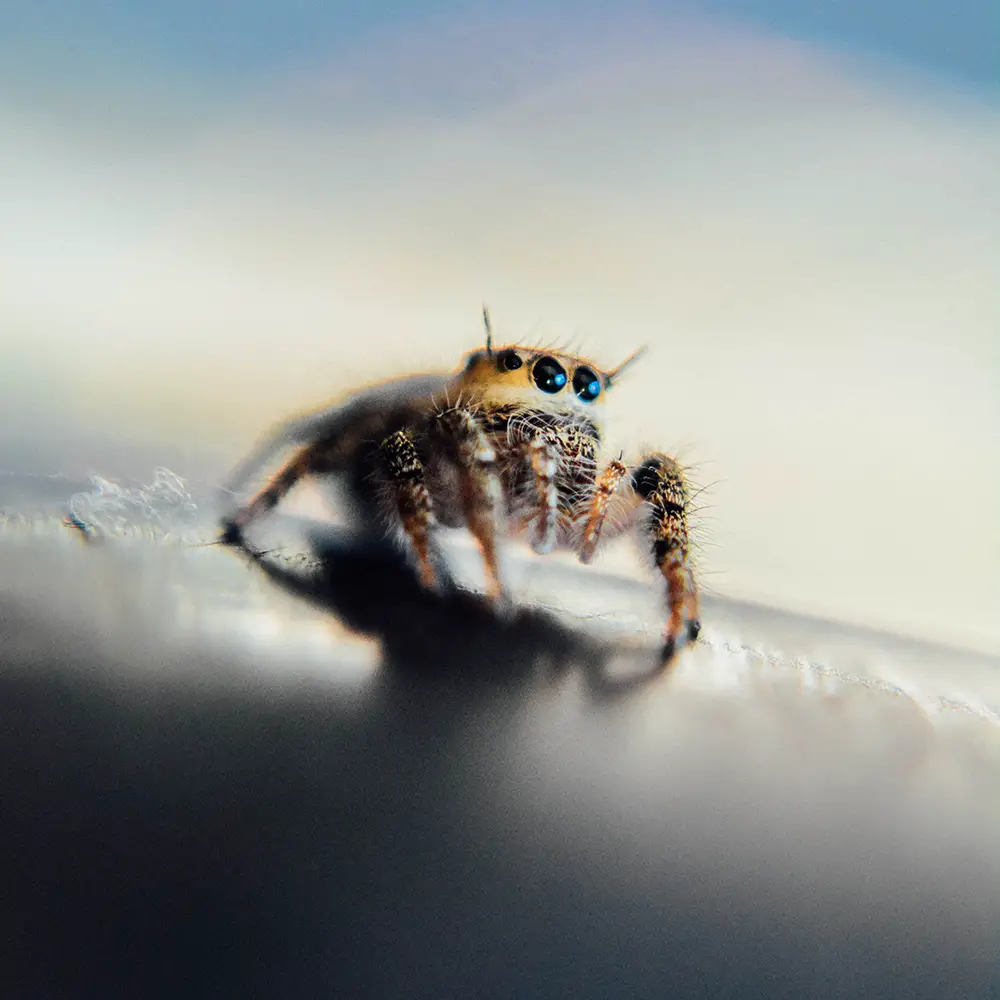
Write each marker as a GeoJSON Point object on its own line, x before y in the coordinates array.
{"type": "Point", "coordinates": [479, 482]}
{"type": "Point", "coordinates": [603, 492]}
{"type": "Point", "coordinates": [660, 481]}
{"type": "Point", "coordinates": [405, 474]}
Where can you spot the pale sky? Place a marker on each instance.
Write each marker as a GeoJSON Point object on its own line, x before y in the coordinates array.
{"type": "Point", "coordinates": [204, 230]}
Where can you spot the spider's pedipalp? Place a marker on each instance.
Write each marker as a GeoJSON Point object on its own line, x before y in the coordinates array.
{"type": "Point", "coordinates": [604, 489]}
{"type": "Point", "coordinates": [544, 454]}
{"type": "Point", "coordinates": [550, 462]}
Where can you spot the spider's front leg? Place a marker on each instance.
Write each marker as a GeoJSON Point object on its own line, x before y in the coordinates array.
{"type": "Point", "coordinates": [461, 436]}
{"type": "Point", "coordinates": [659, 491]}
{"type": "Point", "coordinates": [660, 481]}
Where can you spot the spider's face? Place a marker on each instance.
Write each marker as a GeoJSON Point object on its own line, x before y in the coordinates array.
{"type": "Point", "coordinates": [539, 379]}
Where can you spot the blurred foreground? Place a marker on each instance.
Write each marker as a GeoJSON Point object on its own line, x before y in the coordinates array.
{"type": "Point", "coordinates": [212, 787]}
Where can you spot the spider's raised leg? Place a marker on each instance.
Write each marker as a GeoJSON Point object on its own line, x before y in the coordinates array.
{"type": "Point", "coordinates": [458, 430]}
{"type": "Point", "coordinates": [404, 473]}
{"type": "Point", "coordinates": [660, 481]}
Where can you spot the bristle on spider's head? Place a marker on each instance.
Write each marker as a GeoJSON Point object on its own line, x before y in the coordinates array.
{"type": "Point", "coordinates": [489, 331]}
{"type": "Point", "coordinates": [612, 376]}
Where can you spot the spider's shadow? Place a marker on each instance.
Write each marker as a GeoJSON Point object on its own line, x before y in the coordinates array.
{"type": "Point", "coordinates": [371, 588]}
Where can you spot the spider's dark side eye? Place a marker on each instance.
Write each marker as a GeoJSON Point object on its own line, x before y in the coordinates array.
{"type": "Point", "coordinates": [549, 375]}
{"type": "Point", "coordinates": [509, 361]}
{"type": "Point", "coordinates": [586, 384]}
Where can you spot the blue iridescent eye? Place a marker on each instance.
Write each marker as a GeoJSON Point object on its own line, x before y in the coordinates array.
{"type": "Point", "coordinates": [586, 384]}
{"type": "Point", "coordinates": [549, 375]}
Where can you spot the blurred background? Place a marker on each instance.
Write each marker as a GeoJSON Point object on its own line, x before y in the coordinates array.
{"type": "Point", "coordinates": [214, 214]}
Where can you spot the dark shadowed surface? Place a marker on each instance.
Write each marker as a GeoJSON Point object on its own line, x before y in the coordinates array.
{"type": "Point", "coordinates": [211, 789]}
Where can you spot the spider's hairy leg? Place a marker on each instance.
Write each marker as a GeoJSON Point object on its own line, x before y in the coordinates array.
{"type": "Point", "coordinates": [404, 473]}
{"type": "Point", "coordinates": [660, 481]}
{"type": "Point", "coordinates": [458, 429]}
{"type": "Point", "coordinates": [307, 461]}
{"type": "Point", "coordinates": [604, 490]}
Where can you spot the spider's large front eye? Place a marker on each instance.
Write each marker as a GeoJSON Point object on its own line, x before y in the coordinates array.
{"type": "Point", "coordinates": [549, 375]}
{"type": "Point", "coordinates": [509, 361]}
{"type": "Point", "coordinates": [586, 384]}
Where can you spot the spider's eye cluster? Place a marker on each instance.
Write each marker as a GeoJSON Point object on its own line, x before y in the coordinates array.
{"type": "Point", "coordinates": [551, 377]}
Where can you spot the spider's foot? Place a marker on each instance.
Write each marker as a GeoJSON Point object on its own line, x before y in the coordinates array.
{"type": "Point", "coordinates": [502, 605]}
{"type": "Point", "coordinates": [496, 595]}
{"type": "Point", "coordinates": [232, 533]}
{"type": "Point", "coordinates": [669, 651]}
{"type": "Point", "coordinates": [673, 644]}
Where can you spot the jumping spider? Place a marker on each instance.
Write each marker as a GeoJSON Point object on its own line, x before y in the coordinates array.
{"type": "Point", "coordinates": [507, 448]}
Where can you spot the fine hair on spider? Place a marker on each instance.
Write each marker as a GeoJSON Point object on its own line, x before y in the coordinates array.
{"type": "Point", "coordinates": [508, 447]}
{"type": "Point", "coordinates": [563, 348]}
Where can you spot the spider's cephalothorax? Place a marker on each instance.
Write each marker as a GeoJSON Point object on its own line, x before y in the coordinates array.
{"type": "Point", "coordinates": [509, 448]}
